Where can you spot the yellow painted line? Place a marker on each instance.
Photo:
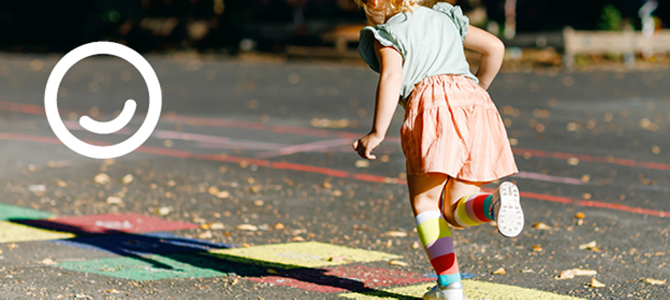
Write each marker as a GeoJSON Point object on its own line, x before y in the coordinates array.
{"type": "Point", "coordinates": [11, 232]}
{"type": "Point", "coordinates": [307, 254]}
{"type": "Point", "coordinates": [475, 290]}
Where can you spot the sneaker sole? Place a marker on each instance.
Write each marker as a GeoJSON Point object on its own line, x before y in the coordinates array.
{"type": "Point", "coordinates": [510, 216]}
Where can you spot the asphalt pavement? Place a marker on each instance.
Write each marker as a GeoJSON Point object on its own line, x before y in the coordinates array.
{"type": "Point", "coordinates": [249, 189]}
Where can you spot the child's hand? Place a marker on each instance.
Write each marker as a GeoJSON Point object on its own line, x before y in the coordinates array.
{"type": "Point", "coordinates": [366, 144]}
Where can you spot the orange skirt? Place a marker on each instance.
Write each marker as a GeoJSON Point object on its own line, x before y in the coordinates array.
{"type": "Point", "coordinates": [452, 127]}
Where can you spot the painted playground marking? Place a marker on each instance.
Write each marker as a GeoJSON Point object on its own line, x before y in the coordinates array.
{"type": "Point", "coordinates": [11, 232]}
{"type": "Point", "coordinates": [307, 254]}
{"type": "Point", "coordinates": [310, 266]}
{"type": "Point", "coordinates": [112, 223]}
{"type": "Point", "coordinates": [475, 290]}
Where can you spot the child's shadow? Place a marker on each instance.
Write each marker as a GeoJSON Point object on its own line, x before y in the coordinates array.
{"type": "Point", "coordinates": [193, 252]}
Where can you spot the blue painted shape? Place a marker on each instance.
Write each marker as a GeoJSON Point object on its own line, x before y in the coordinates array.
{"type": "Point", "coordinates": [140, 244]}
{"type": "Point", "coordinates": [463, 276]}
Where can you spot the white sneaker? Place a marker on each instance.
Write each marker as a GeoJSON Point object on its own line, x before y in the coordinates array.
{"type": "Point", "coordinates": [452, 291]}
{"type": "Point", "coordinates": [506, 209]}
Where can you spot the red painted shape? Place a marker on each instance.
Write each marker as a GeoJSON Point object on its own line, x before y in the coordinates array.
{"type": "Point", "coordinates": [343, 279]}
{"type": "Point", "coordinates": [331, 172]}
{"type": "Point", "coordinates": [129, 223]}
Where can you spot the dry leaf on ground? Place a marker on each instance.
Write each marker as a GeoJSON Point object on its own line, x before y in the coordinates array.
{"type": "Point", "coordinates": [362, 163]}
{"type": "Point", "coordinates": [114, 200]}
{"type": "Point", "coordinates": [127, 179]}
{"type": "Point", "coordinates": [247, 227]}
{"type": "Point", "coordinates": [569, 274]}
{"type": "Point", "coordinates": [499, 271]}
{"type": "Point", "coordinates": [398, 263]}
{"type": "Point", "coordinates": [542, 226]}
{"type": "Point", "coordinates": [580, 215]}
{"type": "Point", "coordinates": [101, 178]}
{"type": "Point", "coordinates": [588, 245]}
{"type": "Point", "coordinates": [596, 284]}
{"type": "Point", "coordinates": [394, 233]}
{"type": "Point", "coordinates": [205, 235]}
{"type": "Point", "coordinates": [655, 281]}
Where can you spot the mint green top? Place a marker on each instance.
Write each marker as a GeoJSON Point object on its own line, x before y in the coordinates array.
{"type": "Point", "coordinates": [430, 41]}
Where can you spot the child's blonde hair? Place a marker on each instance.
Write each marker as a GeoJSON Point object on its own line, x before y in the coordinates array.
{"type": "Point", "coordinates": [396, 5]}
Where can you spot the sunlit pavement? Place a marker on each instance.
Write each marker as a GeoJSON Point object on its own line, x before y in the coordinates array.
{"type": "Point", "coordinates": [248, 187]}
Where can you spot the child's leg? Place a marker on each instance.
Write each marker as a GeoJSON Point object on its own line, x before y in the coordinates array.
{"type": "Point", "coordinates": [471, 207]}
{"type": "Point", "coordinates": [432, 228]}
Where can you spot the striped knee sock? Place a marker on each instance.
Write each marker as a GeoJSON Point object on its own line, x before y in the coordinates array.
{"type": "Point", "coordinates": [436, 238]}
{"type": "Point", "coordinates": [474, 209]}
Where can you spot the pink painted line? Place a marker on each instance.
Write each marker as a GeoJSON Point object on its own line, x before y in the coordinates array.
{"type": "Point", "coordinates": [197, 121]}
{"type": "Point", "coordinates": [320, 145]}
{"type": "Point", "coordinates": [543, 177]}
{"type": "Point", "coordinates": [590, 158]}
{"type": "Point", "coordinates": [332, 172]}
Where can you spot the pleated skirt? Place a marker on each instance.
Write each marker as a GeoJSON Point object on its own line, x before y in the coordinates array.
{"type": "Point", "coordinates": [453, 127]}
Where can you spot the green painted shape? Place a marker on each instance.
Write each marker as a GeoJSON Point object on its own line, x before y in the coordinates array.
{"type": "Point", "coordinates": [153, 267]}
{"type": "Point", "coordinates": [164, 266]}
{"type": "Point", "coordinates": [12, 212]}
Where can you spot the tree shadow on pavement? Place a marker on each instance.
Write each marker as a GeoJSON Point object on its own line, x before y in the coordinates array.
{"type": "Point", "coordinates": [142, 247]}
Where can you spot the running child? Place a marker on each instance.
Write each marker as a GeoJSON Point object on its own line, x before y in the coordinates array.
{"type": "Point", "coordinates": [452, 136]}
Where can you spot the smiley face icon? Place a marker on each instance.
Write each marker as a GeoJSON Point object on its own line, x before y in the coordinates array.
{"type": "Point", "coordinates": [110, 151]}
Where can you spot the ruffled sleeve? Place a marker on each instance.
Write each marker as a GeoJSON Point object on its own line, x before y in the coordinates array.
{"type": "Point", "coordinates": [366, 46]}
{"type": "Point", "coordinates": [455, 14]}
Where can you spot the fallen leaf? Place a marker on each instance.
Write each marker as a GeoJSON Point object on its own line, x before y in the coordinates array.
{"type": "Point", "coordinates": [569, 274]}
{"type": "Point", "coordinates": [499, 271]}
{"type": "Point", "coordinates": [199, 220]}
{"type": "Point", "coordinates": [204, 226]}
{"type": "Point", "coordinates": [596, 284]}
{"type": "Point", "coordinates": [586, 178]}
{"type": "Point", "coordinates": [398, 263]}
{"type": "Point", "coordinates": [298, 239]}
{"type": "Point", "coordinates": [127, 179]}
{"type": "Point", "coordinates": [336, 258]}
{"type": "Point", "coordinates": [263, 227]}
{"type": "Point", "coordinates": [542, 226]}
{"type": "Point", "coordinates": [259, 203]}
{"type": "Point", "coordinates": [101, 178]}
{"type": "Point", "coordinates": [216, 226]}
{"type": "Point", "coordinates": [114, 200]}
{"type": "Point", "coordinates": [590, 246]}
{"type": "Point", "coordinates": [164, 210]}
{"type": "Point", "coordinates": [396, 233]}
{"type": "Point", "coordinates": [48, 261]}
{"type": "Point", "coordinates": [537, 248]}
{"type": "Point", "coordinates": [205, 235]}
{"type": "Point", "coordinates": [212, 190]}
{"type": "Point", "coordinates": [247, 227]}
{"type": "Point", "coordinates": [12, 246]}
{"type": "Point", "coordinates": [362, 163]}
{"type": "Point", "coordinates": [61, 183]}
{"type": "Point", "coordinates": [573, 161]}
{"type": "Point", "coordinates": [655, 281]}
{"type": "Point", "coordinates": [586, 196]}
{"type": "Point", "coordinates": [112, 291]}
{"type": "Point", "coordinates": [279, 226]}
{"type": "Point", "coordinates": [327, 185]}
{"type": "Point", "coordinates": [223, 194]}
{"type": "Point", "coordinates": [416, 245]}
{"type": "Point", "coordinates": [580, 215]}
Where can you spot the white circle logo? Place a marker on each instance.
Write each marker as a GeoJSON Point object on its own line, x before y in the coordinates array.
{"type": "Point", "coordinates": [112, 151]}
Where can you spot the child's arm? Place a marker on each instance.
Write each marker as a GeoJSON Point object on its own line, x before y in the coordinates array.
{"type": "Point", "coordinates": [388, 92]}
{"type": "Point", "coordinates": [492, 50]}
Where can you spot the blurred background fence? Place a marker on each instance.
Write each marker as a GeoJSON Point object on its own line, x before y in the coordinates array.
{"type": "Point", "coordinates": [299, 27]}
